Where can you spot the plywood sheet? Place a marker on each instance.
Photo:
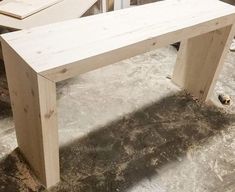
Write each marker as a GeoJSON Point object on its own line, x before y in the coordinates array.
{"type": "Point", "coordinates": [65, 10]}
{"type": "Point", "coordinates": [24, 8]}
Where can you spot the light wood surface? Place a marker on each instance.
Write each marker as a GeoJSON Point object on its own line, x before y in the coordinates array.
{"type": "Point", "coordinates": [21, 9]}
{"type": "Point", "coordinates": [121, 4]}
{"type": "Point", "coordinates": [200, 60]}
{"type": "Point", "coordinates": [53, 14]}
{"type": "Point", "coordinates": [118, 35]}
{"type": "Point", "coordinates": [104, 5]}
{"type": "Point", "coordinates": [65, 10]}
{"type": "Point", "coordinates": [37, 58]}
{"type": "Point", "coordinates": [33, 100]}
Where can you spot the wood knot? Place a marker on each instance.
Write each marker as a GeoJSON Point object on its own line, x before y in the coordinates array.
{"type": "Point", "coordinates": [32, 92]}
{"type": "Point", "coordinates": [64, 70]}
{"type": "Point", "coordinates": [49, 114]}
{"type": "Point", "coordinates": [26, 109]}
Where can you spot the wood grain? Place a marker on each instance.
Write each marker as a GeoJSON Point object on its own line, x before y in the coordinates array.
{"type": "Point", "coordinates": [65, 10]}
{"type": "Point", "coordinates": [22, 9]}
{"type": "Point", "coordinates": [33, 100]}
{"type": "Point", "coordinates": [121, 4]}
{"type": "Point", "coordinates": [118, 35]}
{"type": "Point", "coordinates": [37, 58]}
{"type": "Point", "coordinates": [200, 60]}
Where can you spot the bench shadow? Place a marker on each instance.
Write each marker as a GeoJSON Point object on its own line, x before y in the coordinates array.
{"type": "Point", "coordinates": [5, 110]}
{"type": "Point", "coordinates": [4, 94]}
{"type": "Point", "coordinates": [118, 156]}
{"type": "Point", "coordinates": [16, 175]}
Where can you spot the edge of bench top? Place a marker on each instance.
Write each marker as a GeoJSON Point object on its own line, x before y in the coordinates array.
{"type": "Point", "coordinates": [62, 50]}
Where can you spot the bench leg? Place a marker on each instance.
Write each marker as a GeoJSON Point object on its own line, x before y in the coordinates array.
{"type": "Point", "coordinates": [121, 4]}
{"type": "Point", "coordinates": [33, 99]}
{"type": "Point", "coordinates": [103, 6]}
{"type": "Point", "coordinates": [200, 60]}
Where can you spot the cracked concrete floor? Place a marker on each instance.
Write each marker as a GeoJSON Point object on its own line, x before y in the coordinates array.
{"type": "Point", "coordinates": [127, 128]}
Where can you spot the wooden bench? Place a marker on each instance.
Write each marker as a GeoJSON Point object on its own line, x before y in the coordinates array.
{"type": "Point", "coordinates": [37, 58]}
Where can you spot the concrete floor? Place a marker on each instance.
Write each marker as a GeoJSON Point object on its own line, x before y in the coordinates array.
{"type": "Point", "coordinates": [127, 128]}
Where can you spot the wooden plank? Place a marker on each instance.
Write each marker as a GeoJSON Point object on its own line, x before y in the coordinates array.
{"type": "Point", "coordinates": [22, 9]}
{"type": "Point", "coordinates": [200, 60]}
{"type": "Point", "coordinates": [121, 4]}
{"type": "Point", "coordinates": [56, 13]}
{"type": "Point", "coordinates": [117, 4]}
{"type": "Point", "coordinates": [103, 6]}
{"type": "Point", "coordinates": [120, 34]}
{"type": "Point", "coordinates": [126, 3]}
{"type": "Point", "coordinates": [33, 100]}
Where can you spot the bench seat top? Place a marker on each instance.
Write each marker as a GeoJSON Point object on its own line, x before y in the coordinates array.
{"type": "Point", "coordinates": [62, 50]}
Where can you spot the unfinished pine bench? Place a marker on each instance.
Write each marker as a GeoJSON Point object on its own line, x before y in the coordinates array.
{"type": "Point", "coordinates": [35, 59]}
